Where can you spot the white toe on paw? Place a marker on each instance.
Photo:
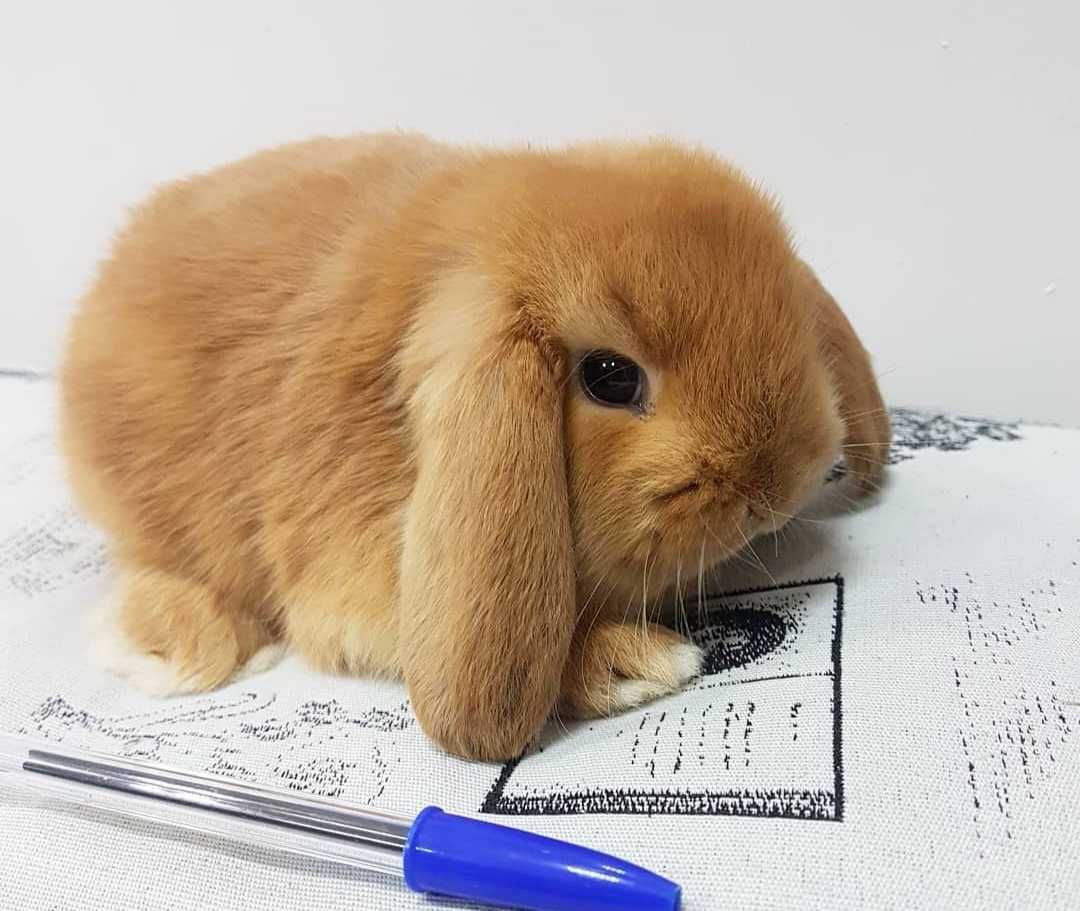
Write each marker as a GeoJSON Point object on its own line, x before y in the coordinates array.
{"type": "Point", "coordinates": [686, 660]}
{"type": "Point", "coordinates": [264, 659]}
{"type": "Point", "coordinates": [154, 676]}
{"type": "Point", "coordinates": [629, 694]}
{"type": "Point", "coordinates": [114, 652]}
{"type": "Point", "coordinates": [674, 667]}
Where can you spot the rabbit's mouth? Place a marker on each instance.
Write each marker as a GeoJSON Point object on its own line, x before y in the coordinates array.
{"type": "Point", "coordinates": [691, 529]}
{"type": "Point", "coordinates": [678, 553]}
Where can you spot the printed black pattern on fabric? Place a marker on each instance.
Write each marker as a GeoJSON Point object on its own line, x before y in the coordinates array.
{"type": "Point", "coordinates": [1009, 747]}
{"type": "Point", "coordinates": [758, 734]}
{"type": "Point", "coordinates": [915, 431]}
{"type": "Point", "coordinates": [221, 736]}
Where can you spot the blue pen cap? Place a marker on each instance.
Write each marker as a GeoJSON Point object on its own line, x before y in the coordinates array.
{"type": "Point", "coordinates": [496, 865]}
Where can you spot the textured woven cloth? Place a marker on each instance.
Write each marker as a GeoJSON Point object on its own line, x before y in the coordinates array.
{"type": "Point", "coordinates": [889, 714]}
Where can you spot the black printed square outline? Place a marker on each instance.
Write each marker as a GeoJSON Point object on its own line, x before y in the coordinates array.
{"type": "Point", "coordinates": [703, 803]}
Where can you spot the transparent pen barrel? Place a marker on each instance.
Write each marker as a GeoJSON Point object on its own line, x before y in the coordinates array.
{"type": "Point", "coordinates": [311, 827]}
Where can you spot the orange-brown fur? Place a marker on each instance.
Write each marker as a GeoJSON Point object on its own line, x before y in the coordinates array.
{"type": "Point", "coordinates": [327, 395]}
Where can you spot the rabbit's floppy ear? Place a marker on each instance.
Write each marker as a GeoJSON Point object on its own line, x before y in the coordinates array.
{"type": "Point", "coordinates": [866, 420]}
{"type": "Point", "coordinates": [487, 598]}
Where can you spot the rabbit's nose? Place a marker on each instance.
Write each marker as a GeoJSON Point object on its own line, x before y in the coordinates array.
{"type": "Point", "coordinates": [757, 510]}
{"type": "Point", "coordinates": [756, 479]}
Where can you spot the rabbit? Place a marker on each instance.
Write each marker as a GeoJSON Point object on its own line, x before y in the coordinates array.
{"type": "Point", "coordinates": [457, 415]}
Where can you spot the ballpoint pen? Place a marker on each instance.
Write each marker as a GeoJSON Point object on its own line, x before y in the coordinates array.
{"type": "Point", "coordinates": [435, 852]}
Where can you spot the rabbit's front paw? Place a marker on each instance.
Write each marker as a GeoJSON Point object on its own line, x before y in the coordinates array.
{"type": "Point", "coordinates": [616, 666]}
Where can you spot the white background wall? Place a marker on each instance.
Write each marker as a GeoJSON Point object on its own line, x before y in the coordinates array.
{"type": "Point", "coordinates": [927, 152]}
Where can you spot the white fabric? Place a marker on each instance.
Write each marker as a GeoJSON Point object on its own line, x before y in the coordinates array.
{"type": "Point", "coordinates": [922, 752]}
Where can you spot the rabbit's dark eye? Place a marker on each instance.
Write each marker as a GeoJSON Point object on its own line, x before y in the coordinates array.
{"type": "Point", "coordinates": [611, 379]}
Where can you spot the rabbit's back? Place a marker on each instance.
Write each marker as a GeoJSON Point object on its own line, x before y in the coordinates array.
{"type": "Point", "coordinates": [199, 383]}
